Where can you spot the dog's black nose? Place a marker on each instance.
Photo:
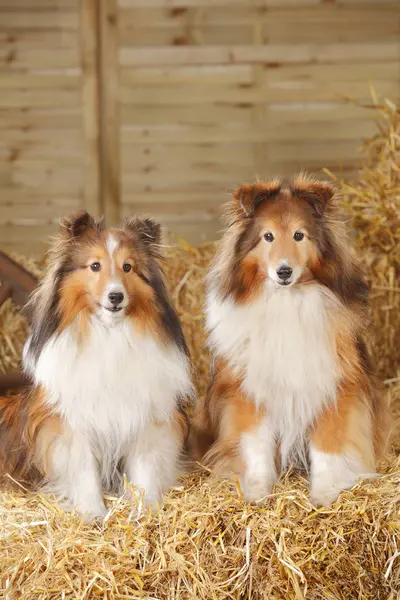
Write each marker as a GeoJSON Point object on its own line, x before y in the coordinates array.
{"type": "Point", "coordinates": [115, 298]}
{"type": "Point", "coordinates": [284, 273]}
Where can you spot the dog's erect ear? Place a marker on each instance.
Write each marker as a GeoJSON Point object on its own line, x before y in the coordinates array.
{"type": "Point", "coordinates": [76, 224]}
{"type": "Point", "coordinates": [318, 194]}
{"type": "Point", "coordinates": [148, 230]}
{"type": "Point", "coordinates": [247, 197]}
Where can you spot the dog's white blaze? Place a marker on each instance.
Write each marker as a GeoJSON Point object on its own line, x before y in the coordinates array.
{"type": "Point", "coordinates": [282, 343]}
{"type": "Point", "coordinates": [332, 473]}
{"type": "Point", "coordinates": [108, 391]}
{"type": "Point", "coordinates": [112, 245]}
{"type": "Point", "coordinates": [114, 284]}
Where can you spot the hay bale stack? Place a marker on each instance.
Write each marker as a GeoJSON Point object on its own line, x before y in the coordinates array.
{"type": "Point", "coordinates": [185, 269]}
{"type": "Point", "coordinates": [205, 542]}
{"type": "Point", "coordinates": [374, 205]}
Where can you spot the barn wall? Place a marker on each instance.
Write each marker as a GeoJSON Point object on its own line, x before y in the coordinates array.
{"type": "Point", "coordinates": [214, 92]}
{"type": "Point", "coordinates": [163, 106]}
{"type": "Point", "coordinates": [47, 139]}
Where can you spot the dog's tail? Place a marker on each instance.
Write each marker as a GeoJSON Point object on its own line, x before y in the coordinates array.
{"type": "Point", "coordinates": [13, 448]}
{"type": "Point", "coordinates": [21, 417]}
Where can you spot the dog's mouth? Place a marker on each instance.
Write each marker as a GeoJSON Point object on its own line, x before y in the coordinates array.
{"type": "Point", "coordinates": [111, 309]}
{"type": "Point", "coordinates": [285, 282]}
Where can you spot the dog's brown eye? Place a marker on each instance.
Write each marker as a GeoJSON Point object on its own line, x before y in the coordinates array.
{"type": "Point", "coordinates": [268, 237]}
{"type": "Point", "coordinates": [95, 266]}
{"type": "Point", "coordinates": [126, 267]}
{"type": "Point", "coordinates": [298, 236]}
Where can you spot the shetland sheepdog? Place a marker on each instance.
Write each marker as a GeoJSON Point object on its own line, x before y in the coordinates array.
{"type": "Point", "coordinates": [109, 368]}
{"type": "Point", "coordinates": [285, 312]}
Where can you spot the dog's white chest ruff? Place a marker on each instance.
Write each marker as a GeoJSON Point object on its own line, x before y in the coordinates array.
{"type": "Point", "coordinates": [115, 382]}
{"type": "Point", "coordinates": [284, 347]}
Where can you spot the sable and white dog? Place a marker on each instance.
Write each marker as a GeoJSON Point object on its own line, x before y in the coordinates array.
{"type": "Point", "coordinates": [109, 367]}
{"type": "Point", "coordinates": [291, 376]}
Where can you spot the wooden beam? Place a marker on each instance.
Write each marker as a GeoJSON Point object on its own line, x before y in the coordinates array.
{"type": "Point", "coordinates": [13, 380]}
{"type": "Point", "coordinates": [90, 61]}
{"type": "Point", "coordinates": [5, 292]}
{"type": "Point", "coordinates": [110, 125]}
{"type": "Point", "coordinates": [14, 276]}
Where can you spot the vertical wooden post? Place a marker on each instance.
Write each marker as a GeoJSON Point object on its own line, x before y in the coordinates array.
{"type": "Point", "coordinates": [260, 114]}
{"type": "Point", "coordinates": [109, 121]}
{"type": "Point", "coordinates": [90, 53]}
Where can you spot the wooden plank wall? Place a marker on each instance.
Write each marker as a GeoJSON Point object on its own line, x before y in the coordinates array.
{"type": "Point", "coordinates": [163, 106]}
{"type": "Point", "coordinates": [48, 123]}
{"type": "Point", "coordinates": [214, 92]}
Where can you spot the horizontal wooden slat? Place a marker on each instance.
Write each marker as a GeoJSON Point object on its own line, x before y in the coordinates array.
{"type": "Point", "coordinates": [29, 214]}
{"type": "Point", "coordinates": [24, 234]}
{"type": "Point", "coordinates": [39, 5]}
{"type": "Point", "coordinates": [50, 175]}
{"type": "Point", "coordinates": [222, 114]}
{"type": "Point", "coordinates": [48, 82]}
{"type": "Point", "coordinates": [16, 40]}
{"type": "Point", "coordinates": [181, 35]}
{"type": "Point", "coordinates": [41, 154]}
{"type": "Point", "coordinates": [260, 94]}
{"type": "Point", "coordinates": [30, 137]}
{"type": "Point", "coordinates": [229, 3]}
{"type": "Point", "coordinates": [185, 199]}
{"type": "Point", "coordinates": [201, 215]}
{"type": "Point", "coordinates": [200, 74]}
{"type": "Point", "coordinates": [43, 19]}
{"type": "Point", "coordinates": [33, 248]}
{"type": "Point", "coordinates": [203, 175]}
{"type": "Point", "coordinates": [156, 158]}
{"type": "Point", "coordinates": [243, 133]}
{"type": "Point", "coordinates": [245, 13]}
{"type": "Point", "coordinates": [270, 53]}
{"type": "Point", "coordinates": [28, 118]}
{"type": "Point", "coordinates": [27, 58]}
{"type": "Point", "coordinates": [238, 24]}
{"type": "Point", "coordinates": [10, 196]}
{"type": "Point", "coordinates": [241, 75]}
{"type": "Point", "coordinates": [43, 98]}
{"type": "Point", "coordinates": [360, 72]}
{"type": "Point", "coordinates": [205, 3]}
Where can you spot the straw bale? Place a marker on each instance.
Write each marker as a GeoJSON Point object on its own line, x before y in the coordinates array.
{"type": "Point", "coordinates": [204, 541]}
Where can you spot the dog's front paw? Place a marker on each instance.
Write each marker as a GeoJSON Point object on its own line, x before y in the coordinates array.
{"type": "Point", "coordinates": [142, 497]}
{"type": "Point", "coordinates": [88, 512]}
{"type": "Point", "coordinates": [256, 489]}
{"type": "Point", "coordinates": [324, 493]}
{"type": "Point", "coordinates": [333, 473]}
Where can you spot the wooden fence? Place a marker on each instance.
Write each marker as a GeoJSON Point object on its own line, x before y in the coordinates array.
{"type": "Point", "coordinates": [163, 106]}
